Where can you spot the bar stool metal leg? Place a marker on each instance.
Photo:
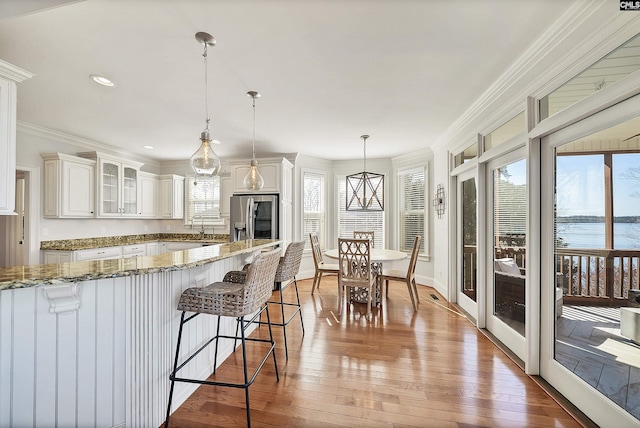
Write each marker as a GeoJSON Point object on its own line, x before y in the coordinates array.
{"type": "Point", "coordinates": [173, 372]}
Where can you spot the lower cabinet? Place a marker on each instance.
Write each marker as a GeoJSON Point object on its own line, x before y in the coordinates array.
{"type": "Point", "coordinates": [50, 257]}
{"type": "Point", "coordinates": [98, 254]}
{"type": "Point", "coordinates": [125, 251]}
{"type": "Point", "coordinates": [134, 250]}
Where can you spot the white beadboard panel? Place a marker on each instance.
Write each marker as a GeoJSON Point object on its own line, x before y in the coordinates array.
{"type": "Point", "coordinates": [104, 315]}
{"type": "Point", "coordinates": [23, 367]}
{"type": "Point", "coordinates": [67, 348]}
{"type": "Point", "coordinates": [46, 362]}
{"type": "Point", "coordinates": [87, 354]}
{"type": "Point", "coordinates": [119, 352]}
{"type": "Point", "coordinates": [108, 363]}
{"type": "Point", "coordinates": [6, 339]}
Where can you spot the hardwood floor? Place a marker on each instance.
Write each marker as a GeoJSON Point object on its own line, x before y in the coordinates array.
{"type": "Point", "coordinates": [431, 368]}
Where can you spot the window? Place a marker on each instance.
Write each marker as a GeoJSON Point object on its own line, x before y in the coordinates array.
{"type": "Point", "coordinates": [349, 221]}
{"type": "Point", "coordinates": [411, 204]}
{"type": "Point", "coordinates": [203, 201]}
{"type": "Point", "coordinates": [313, 217]}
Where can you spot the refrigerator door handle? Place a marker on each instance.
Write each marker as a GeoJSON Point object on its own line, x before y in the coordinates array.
{"type": "Point", "coordinates": [249, 217]}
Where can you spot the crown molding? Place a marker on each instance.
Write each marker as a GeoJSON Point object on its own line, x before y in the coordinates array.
{"type": "Point", "coordinates": [14, 73]}
{"type": "Point", "coordinates": [575, 17]}
{"type": "Point", "coordinates": [81, 143]}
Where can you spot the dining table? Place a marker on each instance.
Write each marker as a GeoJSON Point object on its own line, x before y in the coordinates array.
{"type": "Point", "coordinates": [377, 256]}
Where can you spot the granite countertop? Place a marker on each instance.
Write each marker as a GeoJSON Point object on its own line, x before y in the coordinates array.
{"type": "Point", "coordinates": [34, 275]}
{"type": "Point", "coordinates": [115, 241]}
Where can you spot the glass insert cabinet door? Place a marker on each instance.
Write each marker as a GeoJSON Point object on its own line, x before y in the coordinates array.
{"type": "Point", "coordinates": [119, 190]}
{"type": "Point", "coordinates": [130, 191]}
{"type": "Point", "coordinates": [110, 185]}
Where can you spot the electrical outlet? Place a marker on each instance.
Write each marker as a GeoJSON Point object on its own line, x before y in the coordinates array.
{"type": "Point", "coordinates": [168, 227]}
{"type": "Point", "coordinates": [45, 231]}
{"type": "Point", "coordinates": [146, 228]}
{"type": "Point", "coordinates": [103, 230]}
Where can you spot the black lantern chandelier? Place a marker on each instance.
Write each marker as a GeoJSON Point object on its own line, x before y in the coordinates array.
{"type": "Point", "coordinates": [365, 190]}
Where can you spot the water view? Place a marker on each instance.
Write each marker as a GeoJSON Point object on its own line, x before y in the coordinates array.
{"type": "Point", "coordinates": [592, 235]}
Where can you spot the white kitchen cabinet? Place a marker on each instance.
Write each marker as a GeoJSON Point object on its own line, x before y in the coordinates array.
{"type": "Point", "coordinates": [149, 195]}
{"type": "Point", "coordinates": [57, 257]}
{"type": "Point", "coordinates": [68, 186]}
{"type": "Point", "coordinates": [97, 254]}
{"type": "Point", "coordinates": [10, 75]}
{"type": "Point", "coordinates": [226, 190]}
{"type": "Point", "coordinates": [275, 171]}
{"type": "Point", "coordinates": [172, 196]}
{"type": "Point", "coordinates": [133, 250]}
{"type": "Point", "coordinates": [152, 249]}
{"type": "Point", "coordinates": [117, 185]}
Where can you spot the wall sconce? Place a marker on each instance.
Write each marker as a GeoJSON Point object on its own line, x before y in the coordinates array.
{"type": "Point", "coordinates": [438, 201]}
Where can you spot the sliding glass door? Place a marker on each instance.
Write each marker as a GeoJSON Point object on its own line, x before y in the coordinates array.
{"type": "Point", "coordinates": [506, 241]}
{"type": "Point", "coordinates": [467, 242]}
{"type": "Point", "coordinates": [591, 264]}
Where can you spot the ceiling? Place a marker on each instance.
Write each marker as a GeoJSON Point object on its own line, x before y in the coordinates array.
{"type": "Point", "coordinates": [401, 71]}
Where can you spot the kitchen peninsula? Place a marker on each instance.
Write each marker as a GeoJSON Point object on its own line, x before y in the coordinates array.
{"type": "Point", "coordinates": [91, 343]}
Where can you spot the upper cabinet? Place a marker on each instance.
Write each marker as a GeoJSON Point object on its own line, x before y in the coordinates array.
{"type": "Point", "coordinates": [148, 195]}
{"type": "Point", "coordinates": [172, 196]}
{"type": "Point", "coordinates": [275, 171]}
{"type": "Point", "coordinates": [10, 75]}
{"type": "Point", "coordinates": [117, 185]}
{"type": "Point", "coordinates": [68, 186]}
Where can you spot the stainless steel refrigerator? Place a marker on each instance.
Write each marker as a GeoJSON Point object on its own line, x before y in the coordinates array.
{"type": "Point", "coordinates": [253, 217]}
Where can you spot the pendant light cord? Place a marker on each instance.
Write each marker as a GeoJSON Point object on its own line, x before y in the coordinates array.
{"type": "Point", "coordinates": [254, 127]}
{"type": "Point", "coordinates": [206, 87]}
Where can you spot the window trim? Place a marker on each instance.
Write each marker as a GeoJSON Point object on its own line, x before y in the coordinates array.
{"type": "Point", "coordinates": [424, 254]}
{"type": "Point", "coordinates": [325, 176]}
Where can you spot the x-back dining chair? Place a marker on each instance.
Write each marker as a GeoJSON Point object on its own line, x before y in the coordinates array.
{"type": "Point", "coordinates": [364, 235]}
{"type": "Point", "coordinates": [409, 277]}
{"type": "Point", "coordinates": [355, 269]}
{"type": "Point", "coordinates": [318, 261]}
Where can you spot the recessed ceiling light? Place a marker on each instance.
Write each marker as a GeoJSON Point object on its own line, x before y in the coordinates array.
{"type": "Point", "coordinates": [101, 80]}
{"type": "Point", "coordinates": [215, 142]}
{"type": "Point", "coordinates": [148, 147]}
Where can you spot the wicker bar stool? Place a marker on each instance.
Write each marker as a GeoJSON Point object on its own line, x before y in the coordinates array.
{"type": "Point", "coordinates": [288, 268]}
{"type": "Point", "coordinates": [230, 299]}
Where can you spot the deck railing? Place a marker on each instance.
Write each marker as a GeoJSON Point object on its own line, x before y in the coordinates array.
{"type": "Point", "coordinates": [587, 276]}
{"type": "Point", "coordinates": [598, 276]}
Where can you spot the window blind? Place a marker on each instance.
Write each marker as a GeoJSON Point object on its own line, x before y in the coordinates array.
{"type": "Point", "coordinates": [411, 194]}
{"type": "Point", "coordinates": [203, 201]}
{"type": "Point", "coordinates": [313, 207]}
{"type": "Point", "coordinates": [350, 221]}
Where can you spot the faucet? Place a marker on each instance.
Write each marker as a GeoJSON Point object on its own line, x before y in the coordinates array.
{"type": "Point", "coordinates": [202, 233]}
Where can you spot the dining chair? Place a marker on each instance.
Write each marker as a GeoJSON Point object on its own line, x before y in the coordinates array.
{"type": "Point", "coordinates": [409, 277]}
{"type": "Point", "coordinates": [318, 261]}
{"type": "Point", "coordinates": [364, 235]}
{"type": "Point", "coordinates": [355, 269]}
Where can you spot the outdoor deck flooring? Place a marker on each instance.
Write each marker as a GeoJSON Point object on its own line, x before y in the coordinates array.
{"type": "Point", "coordinates": [589, 343]}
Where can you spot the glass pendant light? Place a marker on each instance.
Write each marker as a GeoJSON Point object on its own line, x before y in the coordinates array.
{"type": "Point", "coordinates": [204, 161]}
{"type": "Point", "coordinates": [253, 180]}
